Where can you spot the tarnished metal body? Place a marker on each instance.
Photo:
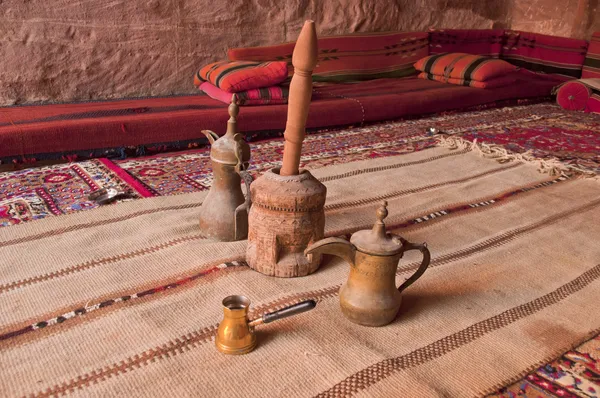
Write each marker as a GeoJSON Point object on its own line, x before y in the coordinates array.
{"type": "Point", "coordinates": [370, 297]}
{"type": "Point", "coordinates": [224, 212]}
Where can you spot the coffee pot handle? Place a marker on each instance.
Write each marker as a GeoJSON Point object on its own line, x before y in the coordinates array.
{"type": "Point", "coordinates": [424, 264]}
{"type": "Point", "coordinates": [241, 212]}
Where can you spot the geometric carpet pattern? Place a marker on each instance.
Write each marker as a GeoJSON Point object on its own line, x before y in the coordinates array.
{"type": "Point", "coordinates": [543, 130]}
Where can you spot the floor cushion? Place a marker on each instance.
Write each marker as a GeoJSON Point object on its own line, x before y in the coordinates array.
{"type": "Point", "coordinates": [545, 54]}
{"type": "Point", "coordinates": [591, 65]}
{"type": "Point", "coordinates": [472, 41]}
{"type": "Point", "coordinates": [113, 128]}
{"type": "Point", "coordinates": [257, 96]}
{"type": "Point", "coordinates": [464, 66]}
{"type": "Point", "coordinates": [573, 95]}
{"type": "Point", "coordinates": [580, 95]}
{"type": "Point", "coordinates": [490, 83]}
{"type": "Point", "coordinates": [239, 76]}
{"type": "Point", "coordinates": [593, 104]}
{"type": "Point", "coordinates": [356, 57]}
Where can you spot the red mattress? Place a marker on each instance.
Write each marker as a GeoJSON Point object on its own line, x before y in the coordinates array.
{"type": "Point", "coordinates": [46, 129]}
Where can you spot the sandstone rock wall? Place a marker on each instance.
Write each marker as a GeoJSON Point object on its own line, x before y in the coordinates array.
{"type": "Point", "coordinates": [64, 50]}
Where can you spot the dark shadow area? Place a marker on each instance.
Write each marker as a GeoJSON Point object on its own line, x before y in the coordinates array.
{"type": "Point", "coordinates": [264, 336]}
{"type": "Point", "coordinates": [414, 304]}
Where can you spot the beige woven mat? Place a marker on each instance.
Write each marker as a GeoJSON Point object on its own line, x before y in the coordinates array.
{"type": "Point", "coordinates": [124, 300]}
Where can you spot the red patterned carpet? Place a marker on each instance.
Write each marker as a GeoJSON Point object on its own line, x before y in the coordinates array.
{"type": "Point", "coordinates": [544, 130]}
{"type": "Point", "coordinates": [571, 137]}
{"type": "Point", "coordinates": [35, 193]}
{"type": "Point", "coordinates": [575, 374]}
{"type": "Point", "coordinates": [169, 174]}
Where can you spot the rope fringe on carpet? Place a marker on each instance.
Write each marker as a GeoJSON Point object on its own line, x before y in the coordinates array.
{"type": "Point", "coordinates": [552, 167]}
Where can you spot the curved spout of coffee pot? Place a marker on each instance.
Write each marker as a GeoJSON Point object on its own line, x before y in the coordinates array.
{"type": "Point", "coordinates": [335, 246]}
{"type": "Point", "coordinates": [211, 135]}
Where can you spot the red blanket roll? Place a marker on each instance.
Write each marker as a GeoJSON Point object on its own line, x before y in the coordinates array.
{"type": "Point", "coordinates": [573, 96]}
{"type": "Point", "coordinates": [580, 95]}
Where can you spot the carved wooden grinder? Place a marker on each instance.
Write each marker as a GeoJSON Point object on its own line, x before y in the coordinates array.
{"type": "Point", "coordinates": [224, 212]}
{"type": "Point", "coordinates": [287, 204]}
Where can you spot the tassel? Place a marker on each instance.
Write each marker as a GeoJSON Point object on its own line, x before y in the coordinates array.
{"type": "Point", "coordinates": [553, 167]}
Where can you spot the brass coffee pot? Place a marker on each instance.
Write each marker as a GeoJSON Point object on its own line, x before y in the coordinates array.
{"type": "Point", "coordinates": [235, 334]}
{"type": "Point", "coordinates": [370, 297]}
{"type": "Point", "coordinates": [224, 212]}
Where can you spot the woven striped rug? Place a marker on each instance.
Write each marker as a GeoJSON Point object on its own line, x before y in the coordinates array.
{"type": "Point", "coordinates": [125, 300]}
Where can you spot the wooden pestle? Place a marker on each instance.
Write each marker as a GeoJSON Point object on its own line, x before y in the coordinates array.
{"type": "Point", "coordinates": [304, 59]}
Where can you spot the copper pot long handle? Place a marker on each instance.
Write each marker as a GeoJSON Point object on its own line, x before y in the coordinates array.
{"type": "Point", "coordinates": [424, 264]}
{"type": "Point", "coordinates": [294, 309]}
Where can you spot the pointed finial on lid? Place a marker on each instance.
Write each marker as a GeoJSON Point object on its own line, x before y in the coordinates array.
{"type": "Point", "coordinates": [379, 226]}
{"type": "Point", "coordinates": [376, 240]}
{"type": "Point", "coordinates": [234, 111]}
{"type": "Point", "coordinates": [382, 212]}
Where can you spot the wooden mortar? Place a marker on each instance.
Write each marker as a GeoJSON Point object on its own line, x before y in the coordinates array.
{"type": "Point", "coordinates": [287, 203]}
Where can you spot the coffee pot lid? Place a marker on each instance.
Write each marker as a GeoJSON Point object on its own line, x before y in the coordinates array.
{"type": "Point", "coordinates": [231, 147]}
{"type": "Point", "coordinates": [377, 241]}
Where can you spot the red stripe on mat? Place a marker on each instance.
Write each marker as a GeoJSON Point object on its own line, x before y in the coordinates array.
{"type": "Point", "coordinates": [127, 178]}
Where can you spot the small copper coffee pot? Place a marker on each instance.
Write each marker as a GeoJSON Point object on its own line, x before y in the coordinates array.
{"type": "Point", "coordinates": [369, 297]}
{"type": "Point", "coordinates": [236, 333]}
{"type": "Point", "coordinates": [224, 212]}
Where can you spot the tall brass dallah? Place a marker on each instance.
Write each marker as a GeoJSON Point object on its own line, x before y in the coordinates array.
{"type": "Point", "coordinates": [369, 297]}
{"type": "Point", "coordinates": [224, 212]}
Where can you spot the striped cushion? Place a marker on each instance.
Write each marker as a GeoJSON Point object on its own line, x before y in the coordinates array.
{"type": "Point", "coordinates": [545, 54]}
{"type": "Point", "coordinates": [239, 76]}
{"type": "Point", "coordinates": [491, 83]}
{"type": "Point", "coordinates": [591, 65]}
{"type": "Point", "coordinates": [256, 96]}
{"type": "Point", "coordinates": [471, 41]}
{"type": "Point", "coordinates": [464, 66]}
{"type": "Point", "coordinates": [362, 56]}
